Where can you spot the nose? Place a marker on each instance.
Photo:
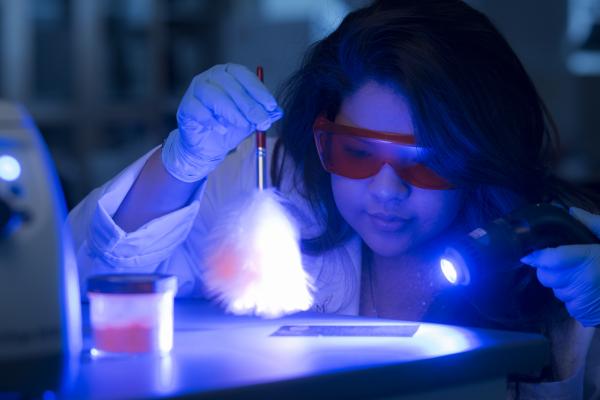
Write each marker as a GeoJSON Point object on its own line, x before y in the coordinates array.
{"type": "Point", "coordinates": [387, 186]}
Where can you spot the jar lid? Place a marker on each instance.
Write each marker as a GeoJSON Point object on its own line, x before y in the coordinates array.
{"type": "Point", "coordinates": [132, 283]}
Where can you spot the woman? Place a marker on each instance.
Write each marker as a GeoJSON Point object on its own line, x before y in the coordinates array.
{"type": "Point", "coordinates": [464, 139]}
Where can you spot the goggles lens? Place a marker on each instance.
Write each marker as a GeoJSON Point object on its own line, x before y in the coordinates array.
{"type": "Point", "coordinates": [359, 153]}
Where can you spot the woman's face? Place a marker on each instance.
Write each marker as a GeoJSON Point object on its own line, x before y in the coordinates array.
{"type": "Point", "coordinates": [389, 214]}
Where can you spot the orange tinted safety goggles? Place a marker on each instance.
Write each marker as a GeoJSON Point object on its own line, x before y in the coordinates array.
{"type": "Point", "coordinates": [359, 153]}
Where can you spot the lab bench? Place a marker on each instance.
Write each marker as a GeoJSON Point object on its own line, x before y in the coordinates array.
{"type": "Point", "coordinates": [309, 355]}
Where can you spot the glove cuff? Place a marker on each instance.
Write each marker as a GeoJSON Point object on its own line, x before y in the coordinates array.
{"type": "Point", "coordinates": [183, 165]}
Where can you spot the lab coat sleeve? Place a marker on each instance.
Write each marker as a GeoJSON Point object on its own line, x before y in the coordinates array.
{"type": "Point", "coordinates": [102, 246]}
{"type": "Point", "coordinates": [170, 244]}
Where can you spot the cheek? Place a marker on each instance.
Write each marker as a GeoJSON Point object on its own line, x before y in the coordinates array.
{"type": "Point", "coordinates": [347, 194]}
{"type": "Point", "coordinates": [436, 209]}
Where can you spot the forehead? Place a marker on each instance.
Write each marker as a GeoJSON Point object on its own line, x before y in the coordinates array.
{"type": "Point", "coordinates": [377, 107]}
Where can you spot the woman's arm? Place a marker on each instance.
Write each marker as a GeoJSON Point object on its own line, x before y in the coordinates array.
{"type": "Point", "coordinates": [221, 107]}
{"type": "Point", "coordinates": [154, 193]}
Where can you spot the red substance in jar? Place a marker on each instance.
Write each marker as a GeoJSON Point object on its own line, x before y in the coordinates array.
{"type": "Point", "coordinates": [132, 338]}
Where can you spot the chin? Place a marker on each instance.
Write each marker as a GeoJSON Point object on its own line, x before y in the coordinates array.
{"type": "Point", "coordinates": [388, 247]}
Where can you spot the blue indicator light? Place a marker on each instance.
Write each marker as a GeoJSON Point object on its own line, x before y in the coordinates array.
{"type": "Point", "coordinates": [10, 168]}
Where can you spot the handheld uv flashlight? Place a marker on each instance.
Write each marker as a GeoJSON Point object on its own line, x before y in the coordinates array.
{"type": "Point", "coordinates": [486, 252]}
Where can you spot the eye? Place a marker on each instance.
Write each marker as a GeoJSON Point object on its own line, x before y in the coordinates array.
{"type": "Point", "coordinates": [356, 152]}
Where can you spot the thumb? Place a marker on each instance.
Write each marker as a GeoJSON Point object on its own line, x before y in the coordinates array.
{"type": "Point", "coordinates": [592, 221]}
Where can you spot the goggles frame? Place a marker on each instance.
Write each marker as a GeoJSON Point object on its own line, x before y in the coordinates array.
{"type": "Point", "coordinates": [417, 174]}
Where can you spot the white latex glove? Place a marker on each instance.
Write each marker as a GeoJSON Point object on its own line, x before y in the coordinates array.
{"type": "Point", "coordinates": [573, 272]}
{"type": "Point", "coordinates": [220, 108]}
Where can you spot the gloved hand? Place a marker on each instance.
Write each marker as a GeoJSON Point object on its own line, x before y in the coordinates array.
{"type": "Point", "coordinates": [573, 272]}
{"type": "Point", "coordinates": [220, 108]}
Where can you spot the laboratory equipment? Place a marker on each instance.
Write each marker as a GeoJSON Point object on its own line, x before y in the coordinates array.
{"type": "Point", "coordinates": [492, 253]}
{"type": "Point", "coordinates": [40, 332]}
{"type": "Point", "coordinates": [132, 313]}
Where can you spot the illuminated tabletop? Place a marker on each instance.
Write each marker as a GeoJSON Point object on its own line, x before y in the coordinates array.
{"type": "Point", "coordinates": [220, 356]}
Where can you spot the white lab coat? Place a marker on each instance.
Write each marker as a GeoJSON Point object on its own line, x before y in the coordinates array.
{"type": "Point", "coordinates": [173, 243]}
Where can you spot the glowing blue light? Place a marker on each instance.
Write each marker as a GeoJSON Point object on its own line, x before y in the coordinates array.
{"type": "Point", "coordinates": [449, 270]}
{"type": "Point", "coordinates": [10, 168]}
{"type": "Point", "coordinates": [95, 353]}
{"type": "Point", "coordinates": [49, 395]}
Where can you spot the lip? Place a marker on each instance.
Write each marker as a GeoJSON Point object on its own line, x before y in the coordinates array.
{"type": "Point", "coordinates": [387, 222]}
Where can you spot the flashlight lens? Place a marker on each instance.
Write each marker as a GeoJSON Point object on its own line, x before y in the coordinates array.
{"type": "Point", "coordinates": [449, 270]}
{"type": "Point", "coordinates": [10, 169]}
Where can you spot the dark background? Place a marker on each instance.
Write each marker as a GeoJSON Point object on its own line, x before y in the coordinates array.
{"type": "Point", "coordinates": [103, 78]}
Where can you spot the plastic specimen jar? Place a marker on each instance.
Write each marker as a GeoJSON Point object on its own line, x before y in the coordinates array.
{"type": "Point", "coordinates": [132, 313]}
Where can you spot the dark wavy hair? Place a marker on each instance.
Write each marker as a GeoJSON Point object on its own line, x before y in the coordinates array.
{"type": "Point", "coordinates": [471, 100]}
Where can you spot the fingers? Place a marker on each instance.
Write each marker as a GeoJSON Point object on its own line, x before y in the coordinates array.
{"type": "Point", "coordinates": [253, 86]}
{"type": "Point", "coordinates": [565, 294]}
{"type": "Point", "coordinates": [259, 111]}
{"type": "Point", "coordinates": [194, 118]}
{"type": "Point", "coordinates": [566, 267]}
{"type": "Point", "coordinates": [559, 257]}
{"type": "Point", "coordinates": [555, 279]}
{"type": "Point", "coordinates": [222, 106]}
{"type": "Point", "coordinates": [592, 221]}
{"type": "Point", "coordinates": [585, 309]}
